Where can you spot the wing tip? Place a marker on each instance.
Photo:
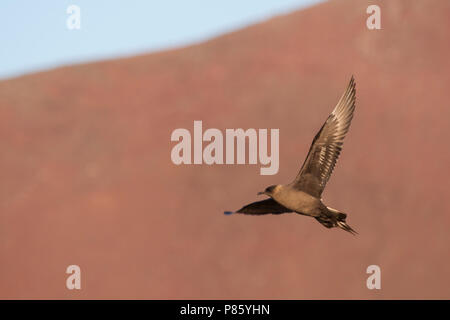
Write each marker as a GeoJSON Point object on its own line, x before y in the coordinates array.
{"type": "Point", "coordinates": [352, 84]}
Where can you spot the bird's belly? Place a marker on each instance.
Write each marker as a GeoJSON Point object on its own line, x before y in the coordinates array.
{"type": "Point", "coordinates": [301, 202]}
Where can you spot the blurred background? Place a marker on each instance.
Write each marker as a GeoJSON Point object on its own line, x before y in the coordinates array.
{"type": "Point", "coordinates": [86, 117]}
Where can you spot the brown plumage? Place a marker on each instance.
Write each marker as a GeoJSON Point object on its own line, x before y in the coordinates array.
{"type": "Point", "coordinates": [304, 194]}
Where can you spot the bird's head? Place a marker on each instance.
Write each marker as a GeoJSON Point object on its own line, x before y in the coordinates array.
{"type": "Point", "coordinates": [271, 190]}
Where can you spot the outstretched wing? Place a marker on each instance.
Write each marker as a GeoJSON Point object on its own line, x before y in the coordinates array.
{"type": "Point", "coordinates": [327, 146]}
{"type": "Point", "coordinates": [264, 207]}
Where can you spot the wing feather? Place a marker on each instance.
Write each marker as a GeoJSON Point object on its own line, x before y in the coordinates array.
{"type": "Point", "coordinates": [327, 146]}
{"type": "Point", "coordinates": [263, 207]}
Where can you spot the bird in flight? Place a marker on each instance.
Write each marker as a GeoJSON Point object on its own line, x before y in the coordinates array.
{"type": "Point", "coordinates": [304, 194]}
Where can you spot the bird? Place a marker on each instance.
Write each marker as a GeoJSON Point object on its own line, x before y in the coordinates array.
{"type": "Point", "coordinates": [304, 194]}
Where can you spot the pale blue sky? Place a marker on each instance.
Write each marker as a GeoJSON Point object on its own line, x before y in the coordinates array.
{"type": "Point", "coordinates": [34, 35]}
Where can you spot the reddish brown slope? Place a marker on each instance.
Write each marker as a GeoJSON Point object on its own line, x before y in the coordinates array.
{"type": "Point", "coordinates": [86, 176]}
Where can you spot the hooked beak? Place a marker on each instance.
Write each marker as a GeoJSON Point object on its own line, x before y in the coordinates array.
{"type": "Point", "coordinates": [260, 193]}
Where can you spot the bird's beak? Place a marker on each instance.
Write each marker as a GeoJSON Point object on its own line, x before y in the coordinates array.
{"type": "Point", "coordinates": [260, 193]}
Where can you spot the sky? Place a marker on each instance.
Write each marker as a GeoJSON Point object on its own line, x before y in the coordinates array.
{"type": "Point", "coordinates": [34, 35]}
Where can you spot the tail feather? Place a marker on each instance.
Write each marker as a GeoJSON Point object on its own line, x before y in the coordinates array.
{"type": "Point", "coordinates": [335, 218]}
{"type": "Point", "coordinates": [344, 226]}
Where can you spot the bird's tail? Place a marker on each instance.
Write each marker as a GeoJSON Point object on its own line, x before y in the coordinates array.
{"type": "Point", "coordinates": [344, 226]}
{"type": "Point", "coordinates": [339, 221]}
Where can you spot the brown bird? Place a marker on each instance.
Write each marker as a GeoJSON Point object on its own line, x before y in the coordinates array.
{"type": "Point", "coordinates": [304, 194]}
